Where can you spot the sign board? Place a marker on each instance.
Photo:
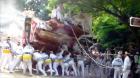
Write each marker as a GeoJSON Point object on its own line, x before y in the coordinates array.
{"type": "Point", "coordinates": [135, 21]}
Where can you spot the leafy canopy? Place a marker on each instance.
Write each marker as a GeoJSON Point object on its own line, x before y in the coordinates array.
{"type": "Point", "coordinates": [108, 30]}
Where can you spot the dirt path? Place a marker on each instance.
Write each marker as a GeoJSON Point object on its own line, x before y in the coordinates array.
{"type": "Point", "coordinates": [18, 74]}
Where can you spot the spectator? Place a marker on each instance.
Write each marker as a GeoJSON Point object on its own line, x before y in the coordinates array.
{"type": "Point", "coordinates": [126, 65]}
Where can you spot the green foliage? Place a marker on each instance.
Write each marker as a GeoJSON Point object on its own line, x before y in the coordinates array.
{"type": "Point", "coordinates": [68, 7]}
{"type": "Point", "coordinates": [111, 23]}
{"type": "Point", "coordinates": [108, 30]}
{"type": "Point", "coordinates": [51, 4]}
{"type": "Point", "coordinates": [122, 9]}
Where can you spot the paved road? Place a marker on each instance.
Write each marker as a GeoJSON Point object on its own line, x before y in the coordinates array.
{"type": "Point", "coordinates": [20, 75]}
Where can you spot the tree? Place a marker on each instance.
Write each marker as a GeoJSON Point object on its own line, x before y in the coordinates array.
{"type": "Point", "coordinates": [122, 9]}
{"type": "Point", "coordinates": [109, 31]}
{"type": "Point", "coordinates": [104, 12]}
{"type": "Point", "coordinates": [39, 6]}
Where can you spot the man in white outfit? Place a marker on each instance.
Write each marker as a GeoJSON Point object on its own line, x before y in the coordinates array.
{"type": "Point", "coordinates": [126, 65]}
{"type": "Point", "coordinates": [48, 62]}
{"type": "Point", "coordinates": [68, 61]}
{"type": "Point", "coordinates": [40, 57]}
{"type": "Point", "coordinates": [117, 64]}
{"type": "Point", "coordinates": [27, 58]}
{"type": "Point", "coordinates": [57, 13]}
{"type": "Point", "coordinates": [52, 55]}
{"type": "Point", "coordinates": [58, 61]}
{"type": "Point", "coordinates": [6, 57]}
{"type": "Point", "coordinates": [17, 57]}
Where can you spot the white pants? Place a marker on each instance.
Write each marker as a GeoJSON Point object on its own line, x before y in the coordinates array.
{"type": "Point", "coordinates": [40, 68]}
{"type": "Point", "coordinates": [50, 68]}
{"type": "Point", "coordinates": [117, 72]}
{"type": "Point", "coordinates": [6, 60]}
{"type": "Point", "coordinates": [81, 65]}
{"type": "Point", "coordinates": [125, 74]}
{"type": "Point", "coordinates": [65, 70]}
{"type": "Point", "coordinates": [27, 64]}
{"type": "Point", "coordinates": [16, 61]}
{"type": "Point", "coordinates": [55, 65]}
{"type": "Point", "coordinates": [67, 65]}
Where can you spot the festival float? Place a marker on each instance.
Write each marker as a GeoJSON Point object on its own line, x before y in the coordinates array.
{"type": "Point", "coordinates": [53, 36]}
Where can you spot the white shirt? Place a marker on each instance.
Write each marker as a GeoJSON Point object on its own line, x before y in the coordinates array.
{"type": "Point", "coordinates": [53, 56]}
{"type": "Point", "coordinates": [38, 56]}
{"type": "Point", "coordinates": [59, 56]}
{"type": "Point", "coordinates": [117, 62]}
{"type": "Point", "coordinates": [28, 48]}
{"type": "Point", "coordinates": [56, 13]}
{"type": "Point", "coordinates": [12, 45]}
{"type": "Point", "coordinates": [44, 55]}
{"type": "Point", "coordinates": [19, 50]}
{"type": "Point", "coordinates": [67, 57]}
{"type": "Point", "coordinates": [127, 63]}
{"type": "Point", "coordinates": [5, 44]}
{"type": "Point", "coordinates": [59, 14]}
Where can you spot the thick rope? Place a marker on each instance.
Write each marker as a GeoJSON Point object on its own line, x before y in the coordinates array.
{"type": "Point", "coordinates": [87, 53]}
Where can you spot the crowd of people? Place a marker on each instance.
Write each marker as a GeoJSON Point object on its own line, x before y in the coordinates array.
{"type": "Point", "coordinates": [15, 56]}
{"type": "Point", "coordinates": [123, 64]}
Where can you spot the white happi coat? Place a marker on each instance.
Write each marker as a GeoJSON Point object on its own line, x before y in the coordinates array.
{"type": "Point", "coordinates": [53, 56]}
{"type": "Point", "coordinates": [11, 46]}
{"type": "Point", "coordinates": [27, 63]}
{"type": "Point", "coordinates": [19, 50]}
{"type": "Point", "coordinates": [7, 57]}
{"type": "Point", "coordinates": [39, 56]}
{"type": "Point", "coordinates": [28, 48]}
